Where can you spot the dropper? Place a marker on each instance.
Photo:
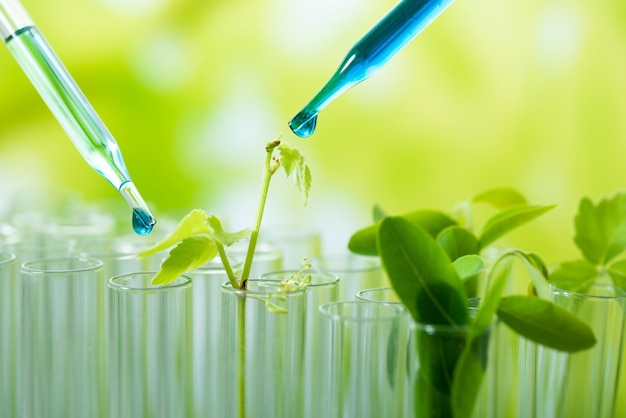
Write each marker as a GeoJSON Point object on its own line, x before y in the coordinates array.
{"type": "Point", "coordinates": [392, 33]}
{"type": "Point", "coordinates": [70, 107]}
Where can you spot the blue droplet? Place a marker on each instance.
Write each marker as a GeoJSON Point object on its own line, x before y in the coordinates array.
{"type": "Point", "coordinates": [143, 222]}
{"type": "Point", "coordinates": [303, 124]}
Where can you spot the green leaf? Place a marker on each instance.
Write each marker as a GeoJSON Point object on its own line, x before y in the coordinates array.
{"type": "Point", "coordinates": [501, 198]}
{"type": "Point", "coordinates": [536, 269]}
{"type": "Point", "coordinates": [364, 241]}
{"type": "Point", "coordinates": [458, 242]}
{"type": "Point", "coordinates": [579, 274]}
{"type": "Point", "coordinates": [545, 323]}
{"type": "Point", "coordinates": [601, 229]}
{"type": "Point", "coordinates": [378, 213]}
{"type": "Point", "coordinates": [225, 238]}
{"type": "Point", "coordinates": [500, 273]}
{"type": "Point", "coordinates": [466, 383]}
{"type": "Point", "coordinates": [537, 262]}
{"type": "Point", "coordinates": [190, 254]}
{"type": "Point", "coordinates": [421, 273]}
{"type": "Point", "coordinates": [193, 223]}
{"type": "Point", "coordinates": [496, 281]}
{"type": "Point", "coordinates": [468, 266]}
{"type": "Point", "coordinates": [428, 399]}
{"type": "Point", "coordinates": [617, 272]}
{"type": "Point", "coordinates": [289, 157]}
{"type": "Point", "coordinates": [293, 161]}
{"type": "Point", "coordinates": [303, 181]}
{"type": "Point", "coordinates": [508, 220]}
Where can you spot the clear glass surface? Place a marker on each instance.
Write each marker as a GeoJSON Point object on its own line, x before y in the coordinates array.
{"type": "Point", "coordinates": [150, 347]}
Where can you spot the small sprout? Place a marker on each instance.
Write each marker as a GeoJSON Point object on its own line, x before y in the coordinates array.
{"type": "Point", "coordinates": [271, 145]}
{"type": "Point", "coordinates": [274, 165]}
{"type": "Point", "coordinates": [297, 281]}
{"type": "Point", "coordinates": [200, 237]}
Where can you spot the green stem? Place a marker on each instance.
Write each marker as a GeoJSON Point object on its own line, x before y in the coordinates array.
{"type": "Point", "coordinates": [227, 267]}
{"type": "Point", "coordinates": [254, 235]}
{"type": "Point", "coordinates": [241, 353]}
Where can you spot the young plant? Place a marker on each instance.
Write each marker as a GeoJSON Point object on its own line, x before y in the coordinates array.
{"type": "Point", "coordinates": [199, 238]}
{"type": "Point", "coordinates": [601, 238]}
{"type": "Point", "coordinates": [429, 256]}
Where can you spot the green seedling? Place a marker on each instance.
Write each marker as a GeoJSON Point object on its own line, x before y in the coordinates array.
{"type": "Point", "coordinates": [601, 238]}
{"type": "Point", "coordinates": [429, 255]}
{"type": "Point", "coordinates": [200, 237]}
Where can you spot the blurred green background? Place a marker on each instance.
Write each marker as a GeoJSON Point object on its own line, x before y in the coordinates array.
{"type": "Point", "coordinates": [527, 94]}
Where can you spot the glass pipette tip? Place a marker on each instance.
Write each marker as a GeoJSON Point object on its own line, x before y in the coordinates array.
{"type": "Point", "coordinates": [70, 107]}
{"type": "Point", "coordinates": [143, 220]}
{"type": "Point", "coordinates": [392, 33]}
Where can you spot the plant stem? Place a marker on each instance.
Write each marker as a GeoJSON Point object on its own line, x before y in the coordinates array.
{"type": "Point", "coordinates": [227, 267]}
{"type": "Point", "coordinates": [254, 235]}
{"type": "Point", "coordinates": [241, 353]}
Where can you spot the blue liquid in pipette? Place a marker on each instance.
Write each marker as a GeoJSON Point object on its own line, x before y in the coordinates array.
{"type": "Point", "coordinates": [143, 222]}
{"type": "Point", "coordinates": [369, 54]}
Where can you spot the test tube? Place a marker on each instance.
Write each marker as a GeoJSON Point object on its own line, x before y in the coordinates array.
{"type": "Point", "coordinates": [70, 107]}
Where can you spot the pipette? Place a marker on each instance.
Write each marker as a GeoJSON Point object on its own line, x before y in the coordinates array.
{"type": "Point", "coordinates": [392, 33]}
{"type": "Point", "coordinates": [70, 107]}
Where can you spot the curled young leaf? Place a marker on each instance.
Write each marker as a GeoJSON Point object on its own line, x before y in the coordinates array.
{"type": "Point", "coordinates": [293, 161]}
{"type": "Point", "coordinates": [545, 323]}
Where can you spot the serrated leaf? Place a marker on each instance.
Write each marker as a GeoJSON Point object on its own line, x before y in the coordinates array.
{"type": "Point", "coordinates": [601, 229]}
{"type": "Point", "coordinates": [458, 242]}
{"type": "Point", "coordinates": [581, 271]}
{"type": "Point", "coordinates": [508, 220]}
{"type": "Point", "coordinates": [617, 272]}
{"type": "Point", "coordinates": [289, 157]}
{"type": "Point", "coordinates": [189, 254]}
{"type": "Point", "coordinates": [421, 273]}
{"type": "Point", "coordinates": [363, 241]}
{"type": "Point", "coordinates": [293, 161]}
{"type": "Point", "coordinates": [501, 198]}
{"type": "Point", "coordinates": [545, 323]}
{"type": "Point", "coordinates": [193, 223]}
{"type": "Point", "coordinates": [468, 265]}
{"type": "Point", "coordinates": [225, 238]}
{"type": "Point", "coordinates": [303, 180]}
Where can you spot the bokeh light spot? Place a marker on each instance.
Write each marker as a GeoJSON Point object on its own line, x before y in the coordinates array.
{"type": "Point", "coordinates": [558, 37]}
{"type": "Point", "coordinates": [164, 63]}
